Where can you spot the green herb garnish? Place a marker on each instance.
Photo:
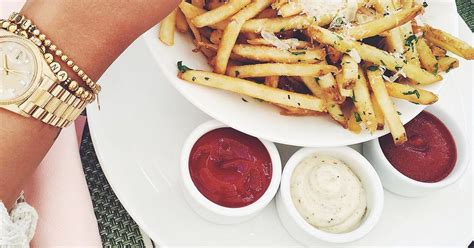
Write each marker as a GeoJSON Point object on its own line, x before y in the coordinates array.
{"type": "Point", "coordinates": [413, 92]}
{"type": "Point", "coordinates": [182, 67]}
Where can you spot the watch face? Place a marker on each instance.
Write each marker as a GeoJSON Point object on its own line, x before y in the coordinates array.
{"type": "Point", "coordinates": [17, 70]}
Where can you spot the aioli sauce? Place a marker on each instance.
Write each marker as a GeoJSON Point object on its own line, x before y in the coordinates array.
{"type": "Point", "coordinates": [328, 194]}
{"type": "Point", "coordinates": [430, 153]}
{"type": "Point", "coordinates": [230, 168]}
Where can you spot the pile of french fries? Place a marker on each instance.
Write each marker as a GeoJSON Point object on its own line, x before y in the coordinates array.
{"type": "Point", "coordinates": [350, 72]}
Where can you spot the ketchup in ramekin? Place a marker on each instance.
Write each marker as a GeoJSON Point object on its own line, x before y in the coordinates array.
{"type": "Point", "coordinates": [430, 153]}
{"type": "Point", "coordinates": [230, 168]}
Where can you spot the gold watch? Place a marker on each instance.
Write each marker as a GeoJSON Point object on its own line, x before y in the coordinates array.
{"type": "Point", "coordinates": [29, 87]}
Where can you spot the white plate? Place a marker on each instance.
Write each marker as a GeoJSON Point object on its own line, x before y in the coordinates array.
{"type": "Point", "coordinates": [144, 121]}
{"type": "Point", "coordinates": [263, 120]}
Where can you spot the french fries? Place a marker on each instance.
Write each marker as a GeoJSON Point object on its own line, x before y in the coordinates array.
{"type": "Point", "coordinates": [232, 31]}
{"type": "Point", "coordinates": [410, 93]}
{"type": "Point", "coordinates": [353, 122]}
{"type": "Point", "coordinates": [291, 8]}
{"type": "Point", "coordinates": [378, 113]}
{"type": "Point", "coordinates": [181, 22]}
{"type": "Point", "coordinates": [279, 69]}
{"type": "Point", "coordinates": [427, 59]}
{"type": "Point", "coordinates": [252, 89]}
{"type": "Point", "coordinates": [445, 64]}
{"type": "Point", "coordinates": [386, 105]}
{"type": "Point", "coordinates": [383, 24]}
{"type": "Point", "coordinates": [349, 72]}
{"type": "Point", "coordinates": [373, 55]}
{"type": "Point", "coordinates": [361, 100]}
{"type": "Point", "coordinates": [273, 54]}
{"type": "Point", "coordinates": [448, 42]}
{"type": "Point", "coordinates": [297, 44]}
{"type": "Point", "coordinates": [219, 14]}
{"type": "Point", "coordinates": [394, 38]}
{"type": "Point", "coordinates": [328, 64]}
{"type": "Point", "coordinates": [167, 29]}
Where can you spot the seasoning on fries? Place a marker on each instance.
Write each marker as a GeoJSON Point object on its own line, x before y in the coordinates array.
{"type": "Point", "coordinates": [311, 58]}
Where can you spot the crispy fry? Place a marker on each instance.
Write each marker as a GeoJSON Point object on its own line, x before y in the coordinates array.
{"type": "Point", "coordinates": [290, 9]}
{"type": "Point", "coordinates": [273, 54]}
{"type": "Point", "coordinates": [231, 32]}
{"type": "Point", "coordinates": [216, 36]}
{"type": "Point", "coordinates": [394, 39]}
{"type": "Point", "coordinates": [349, 72]}
{"type": "Point", "coordinates": [334, 109]}
{"type": "Point", "coordinates": [334, 55]}
{"type": "Point", "coordinates": [272, 81]}
{"type": "Point", "coordinates": [373, 55]}
{"type": "Point", "coordinates": [378, 113]}
{"type": "Point", "coordinates": [181, 22]}
{"type": "Point", "coordinates": [410, 93]}
{"type": "Point", "coordinates": [448, 42]}
{"type": "Point", "coordinates": [353, 122]}
{"type": "Point", "coordinates": [286, 110]}
{"type": "Point", "coordinates": [427, 59]}
{"type": "Point", "coordinates": [264, 42]}
{"type": "Point", "coordinates": [220, 13]}
{"type": "Point", "coordinates": [191, 11]}
{"type": "Point", "coordinates": [438, 51]}
{"type": "Point", "coordinates": [255, 90]}
{"type": "Point", "coordinates": [280, 24]}
{"type": "Point", "coordinates": [167, 28]}
{"type": "Point", "coordinates": [199, 3]}
{"type": "Point", "coordinates": [340, 85]}
{"type": "Point", "coordinates": [278, 69]}
{"type": "Point", "coordinates": [278, 3]}
{"type": "Point", "coordinates": [361, 99]}
{"type": "Point", "coordinates": [267, 13]}
{"type": "Point", "coordinates": [391, 115]}
{"type": "Point", "coordinates": [383, 24]}
{"type": "Point", "coordinates": [447, 63]}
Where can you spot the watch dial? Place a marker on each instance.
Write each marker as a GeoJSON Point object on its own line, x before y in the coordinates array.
{"type": "Point", "coordinates": [17, 70]}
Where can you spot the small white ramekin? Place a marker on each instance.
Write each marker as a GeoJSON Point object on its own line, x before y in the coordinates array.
{"type": "Point", "coordinates": [310, 235]}
{"type": "Point", "coordinates": [210, 210]}
{"type": "Point", "coordinates": [396, 182]}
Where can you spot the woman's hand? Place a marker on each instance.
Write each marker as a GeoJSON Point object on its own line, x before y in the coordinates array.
{"type": "Point", "coordinates": [93, 33]}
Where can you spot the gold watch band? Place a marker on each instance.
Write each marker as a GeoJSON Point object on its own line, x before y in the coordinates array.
{"type": "Point", "coordinates": [53, 105]}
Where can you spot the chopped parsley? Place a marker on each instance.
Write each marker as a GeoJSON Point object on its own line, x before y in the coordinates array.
{"type": "Point", "coordinates": [413, 92]}
{"type": "Point", "coordinates": [436, 69]}
{"type": "Point", "coordinates": [237, 73]}
{"type": "Point", "coordinates": [397, 67]}
{"type": "Point", "coordinates": [399, 113]}
{"type": "Point", "coordinates": [425, 4]}
{"type": "Point", "coordinates": [182, 67]}
{"type": "Point", "coordinates": [372, 68]}
{"type": "Point", "coordinates": [298, 53]}
{"type": "Point", "coordinates": [207, 78]}
{"type": "Point", "coordinates": [357, 117]}
{"type": "Point", "coordinates": [245, 100]}
{"type": "Point", "coordinates": [383, 63]}
{"type": "Point", "coordinates": [410, 41]}
{"type": "Point", "coordinates": [353, 96]}
{"type": "Point", "coordinates": [194, 78]}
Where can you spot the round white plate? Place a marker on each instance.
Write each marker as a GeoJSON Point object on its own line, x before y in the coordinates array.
{"type": "Point", "coordinates": [263, 120]}
{"type": "Point", "coordinates": [139, 132]}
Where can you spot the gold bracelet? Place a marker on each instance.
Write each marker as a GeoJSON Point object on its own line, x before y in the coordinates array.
{"type": "Point", "coordinates": [62, 76]}
{"type": "Point", "coordinates": [45, 44]}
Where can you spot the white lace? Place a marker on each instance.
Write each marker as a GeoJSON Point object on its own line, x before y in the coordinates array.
{"type": "Point", "coordinates": [18, 228]}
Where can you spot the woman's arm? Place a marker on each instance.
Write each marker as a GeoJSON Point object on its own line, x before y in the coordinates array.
{"type": "Point", "coordinates": [93, 34]}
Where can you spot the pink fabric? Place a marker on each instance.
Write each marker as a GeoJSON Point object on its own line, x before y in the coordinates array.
{"type": "Point", "coordinates": [59, 193]}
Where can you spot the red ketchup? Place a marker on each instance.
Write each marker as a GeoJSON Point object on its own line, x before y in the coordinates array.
{"type": "Point", "coordinates": [230, 168]}
{"type": "Point", "coordinates": [430, 153]}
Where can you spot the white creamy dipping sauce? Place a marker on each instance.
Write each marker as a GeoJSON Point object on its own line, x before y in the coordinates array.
{"type": "Point", "coordinates": [328, 194]}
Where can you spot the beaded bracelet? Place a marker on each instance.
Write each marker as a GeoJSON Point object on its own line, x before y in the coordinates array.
{"type": "Point", "coordinates": [40, 39]}
{"type": "Point", "coordinates": [62, 76]}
